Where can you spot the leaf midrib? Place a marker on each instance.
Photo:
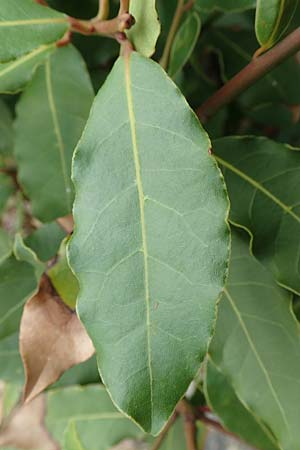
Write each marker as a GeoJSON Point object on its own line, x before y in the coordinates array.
{"type": "Point", "coordinates": [141, 196]}
{"type": "Point", "coordinates": [11, 66]}
{"type": "Point", "coordinates": [15, 23]}
{"type": "Point", "coordinates": [258, 187]}
{"type": "Point", "coordinates": [57, 132]}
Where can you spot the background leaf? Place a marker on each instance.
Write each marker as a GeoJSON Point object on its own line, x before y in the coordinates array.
{"type": "Point", "coordinates": [225, 5]}
{"type": "Point", "coordinates": [148, 197]}
{"type": "Point", "coordinates": [6, 130]}
{"type": "Point", "coordinates": [256, 346]}
{"type": "Point", "coordinates": [26, 26]}
{"type": "Point", "coordinates": [235, 416]}
{"type": "Point", "coordinates": [273, 19]}
{"type": "Point", "coordinates": [14, 75]}
{"type": "Point", "coordinates": [184, 42]}
{"type": "Point", "coordinates": [146, 30]}
{"type": "Point", "coordinates": [262, 178]}
{"type": "Point", "coordinates": [59, 96]}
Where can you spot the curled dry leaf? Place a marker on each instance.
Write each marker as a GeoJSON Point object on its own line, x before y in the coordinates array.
{"type": "Point", "coordinates": [52, 340]}
{"type": "Point", "coordinates": [25, 428]}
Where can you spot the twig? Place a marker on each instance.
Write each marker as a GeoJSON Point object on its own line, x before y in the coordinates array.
{"type": "Point", "coordinates": [109, 28]}
{"type": "Point", "coordinates": [255, 70]}
{"type": "Point", "coordinates": [190, 428]}
{"type": "Point", "coordinates": [172, 32]}
{"type": "Point", "coordinates": [124, 6]}
{"type": "Point", "coordinates": [158, 442]}
{"type": "Point", "coordinates": [103, 10]}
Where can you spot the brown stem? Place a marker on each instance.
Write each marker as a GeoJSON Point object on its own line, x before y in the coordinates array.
{"type": "Point", "coordinates": [103, 10]}
{"type": "Point", "coordinates": [124, 6]}
{"type": "Point", "coordinates": [190, 428]}
{"type": "Point", "coordinates": [255, 70]}
{"type": "Point", "coordinates": [174, 26]}
{"type": "Point", "coordinates": [66, 223]}
{"type": "Point", "coordinates": [158, 442]}
{"type": "Point", "coordinates": [108, 28]}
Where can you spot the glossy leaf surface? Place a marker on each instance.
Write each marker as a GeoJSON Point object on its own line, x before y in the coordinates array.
{"type": "Point", "coordinates": [150, 245]}
{"type": "Point", "coordinates": [145, 32]}
{"type": "Point", "coordinates": [184, 43]}
{"type": "Point", "coordinates": [25, 25]}
{"type": "Point", "coordinates": [262, 178]}
{"type": "Point", "coordinates": [257, 348]}
{"type": "Point", "coordinates": [273, 19]}
{"type": "Point", "coordinates": [59, 96]}
{"type": "Point", "coordinates": [14, 75]}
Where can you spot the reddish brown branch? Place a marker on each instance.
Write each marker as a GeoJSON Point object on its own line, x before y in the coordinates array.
{"type": "Point", "coordinates": [190, 428]}
{"type": "Point", "coordinates": [255, 70]}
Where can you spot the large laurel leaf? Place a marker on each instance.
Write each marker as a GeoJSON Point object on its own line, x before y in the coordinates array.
{"type": "Point", "coordinates": [150, 245]}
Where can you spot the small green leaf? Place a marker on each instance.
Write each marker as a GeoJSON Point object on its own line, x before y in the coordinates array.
{"type": "Point", "coordinates": [272, 20]}
{"type": "Point", "coordinates": [97, 421]}
{"type": "Point", "coordinates": [257, 345]}
{"type": "Point", "coordinates": [6, 130]}
{"type": "Point", "coordinates": [225, 5]}
{"type": "Point", "coordinates": [184, 43]}
{"type": "Point", "coordinates": [14, 75]}
{"type": "Point", "coordinates": [146, 30]}
{"type": "Point", "coordinates": [46, 240]}
{"type": "Point", "coordinates": [17, 283]}
{"type": "Point", "coordinates": [262, 178]}
{"type": "Point", "coordinates": [24, 253]}
{"type": "Point", "coordinates": [63, 278]}
{"type": "Point", "coordinates": [225, 403]}
{"type": "Point", "coordinates": [46, 138]}
{"type": "Point", "coordinates": [7, 188]}
{"type": "Point", "coordinates": [11, 367]}
{"type": "Point", "coordinates": [150, 245]}
{"type": "Point", "coordinates": [26, 26]}
{"type": "Point", "coordinates": [5, 245]}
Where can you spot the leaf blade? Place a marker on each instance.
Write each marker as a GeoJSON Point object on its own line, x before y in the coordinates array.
{"type": "Point", "coordinates": [136, 202]}
{"type": "Point", "coordinates": [24, 28]}
{"type": "Point", "coordinates": [63, 103]}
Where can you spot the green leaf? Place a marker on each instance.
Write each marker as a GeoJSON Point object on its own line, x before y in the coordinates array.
{"type": "Point", "coordinates": [11, 367]}
{"type": "Point", "coordinates": [46, 240]}
{"type": "Point", "coordinates": [63, 278]}
{"type": "Point", "coordinates": [17, 283]}
{"type": "Point", "coordinates": [90, 409]}
{"type": "Point", "coordinates": [5, 245]}
{"type": "Point", "coordinates": [7, 188]}
{"type": "Point", "coordinates": [14, 75]}
{"type": "Point", "coordinates": [146, 30]}
{"type": "Point", "coordinates": [262, 178]}
{"type": "Point", "coordinates": [184, 43]}
{"type": "Point", "coordinates": [273, 19]}
{"type": "Point", "coordinates": [150, 245]}
{"type": "Point", "coordinates": [6, 130]}
{"type": "Point", "coordinates": [256, 346]}
{"type": "Point", "coordinates": [46, 138]}
{"type": "Point", "coordinates": [26, 26]}
{"type": "Point", "coordinates": [225, 403]}
{"type": "Point", "coordinates": [225, 5]}
{"type": "Point", "coordinates": [24, 253]}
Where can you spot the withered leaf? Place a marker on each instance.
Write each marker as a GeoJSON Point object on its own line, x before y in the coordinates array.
{"type": "Point", "coordinates": [52, 340]}
{"type": "Point", "coordinates": [25, 428]}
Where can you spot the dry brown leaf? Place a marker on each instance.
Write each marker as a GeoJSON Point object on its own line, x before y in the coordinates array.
{"type": "Point", "coordinates": [25, 428]}
{"type": "Point", "coordinates": [52, 339]}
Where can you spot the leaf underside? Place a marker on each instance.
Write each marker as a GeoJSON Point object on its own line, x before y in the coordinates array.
{"type": "Point", "coordinates": [150, 245]}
